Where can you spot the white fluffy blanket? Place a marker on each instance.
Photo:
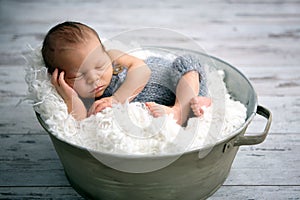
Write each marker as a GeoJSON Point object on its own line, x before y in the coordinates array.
{"type": "Point", "coordinates": [108, 132]}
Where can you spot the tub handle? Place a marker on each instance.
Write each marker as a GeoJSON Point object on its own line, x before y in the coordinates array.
{"type": "Point", "coordinates": [256, 139]}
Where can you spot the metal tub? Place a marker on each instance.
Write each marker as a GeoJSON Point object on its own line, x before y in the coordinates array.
{"type": "Point", "coordinates": [190, 177]}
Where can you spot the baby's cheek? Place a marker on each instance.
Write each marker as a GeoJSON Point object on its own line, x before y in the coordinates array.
{"type": "Point", "coordinates": [75, 86]}
{"type": "Point", "coordinates": [70, 83]}
{"type": "Point", "coordinates": [81, 89]}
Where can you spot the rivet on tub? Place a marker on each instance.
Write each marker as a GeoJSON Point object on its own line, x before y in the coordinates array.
{"type": "Point", "coordinates": [227, 146]}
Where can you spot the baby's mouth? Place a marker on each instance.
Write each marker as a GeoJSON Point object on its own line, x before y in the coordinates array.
{"type": "Point", "coordinates": [97, 89]}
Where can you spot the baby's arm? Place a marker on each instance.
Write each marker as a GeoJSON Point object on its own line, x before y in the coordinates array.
{"type": "Point", "coordinates": [73, 102]}
{"type": "Point", "coordinates": [137, 77]}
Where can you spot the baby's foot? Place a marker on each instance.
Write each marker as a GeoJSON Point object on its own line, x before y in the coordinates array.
{"type": "Point", "coordinates": [158, 110]}
{"type": "Point", "coordinates": [197, 103]}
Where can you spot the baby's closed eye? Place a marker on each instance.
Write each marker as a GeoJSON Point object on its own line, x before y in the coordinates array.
{"type": "Point", "coordinates": [75, 77]}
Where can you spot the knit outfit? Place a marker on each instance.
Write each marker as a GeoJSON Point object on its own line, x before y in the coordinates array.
{"type": "Point", "coordinates": [165, 74]}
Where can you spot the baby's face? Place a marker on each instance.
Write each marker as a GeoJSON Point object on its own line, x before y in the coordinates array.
{"type": "Point", "coordinates": [88, 68]}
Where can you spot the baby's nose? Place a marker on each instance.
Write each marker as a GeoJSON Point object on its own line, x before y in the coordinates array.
{"type": "Point", "coordinates": [92, 78]}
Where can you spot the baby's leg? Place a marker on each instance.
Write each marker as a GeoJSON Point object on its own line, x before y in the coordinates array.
{"type": "Point", "coordinates": [187, 88]}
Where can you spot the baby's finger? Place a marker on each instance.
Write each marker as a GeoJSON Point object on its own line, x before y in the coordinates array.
{"type": "Point", "coordinates": [54, 77]}
{"type": "Point", "coordinates": [62, 81]}
{"type": "Point", "coordinates": [61, 78]}
{"type": "Point", "coordinates": [95, 105]}
{"type": "Point", "coordinates": [102, 106]}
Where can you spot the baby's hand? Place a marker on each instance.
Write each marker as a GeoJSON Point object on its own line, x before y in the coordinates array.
{"type": "Point", "coordinates": [101, 104]}
{"type": "Point", "coordinates": [65, 91]}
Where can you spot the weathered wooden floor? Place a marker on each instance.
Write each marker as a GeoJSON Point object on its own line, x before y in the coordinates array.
{"type": "Point", "coordinates": [261, 38]}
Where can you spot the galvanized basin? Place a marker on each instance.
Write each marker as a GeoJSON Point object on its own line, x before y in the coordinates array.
{"type": "Point", "coordinates": [188, 178]}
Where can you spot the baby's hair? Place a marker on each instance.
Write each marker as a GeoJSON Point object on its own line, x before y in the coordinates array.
{"type": "Point", "coordinates": [66, 33]}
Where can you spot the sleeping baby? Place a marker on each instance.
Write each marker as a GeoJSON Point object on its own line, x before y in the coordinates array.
{"type": "Point", "coordinates": [90, 78]}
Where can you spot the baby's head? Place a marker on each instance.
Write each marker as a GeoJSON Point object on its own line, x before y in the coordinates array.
{"type": "Point", "coordinates": [76, 49]}
{"type": "Point", "coordinates": [62, 37]}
